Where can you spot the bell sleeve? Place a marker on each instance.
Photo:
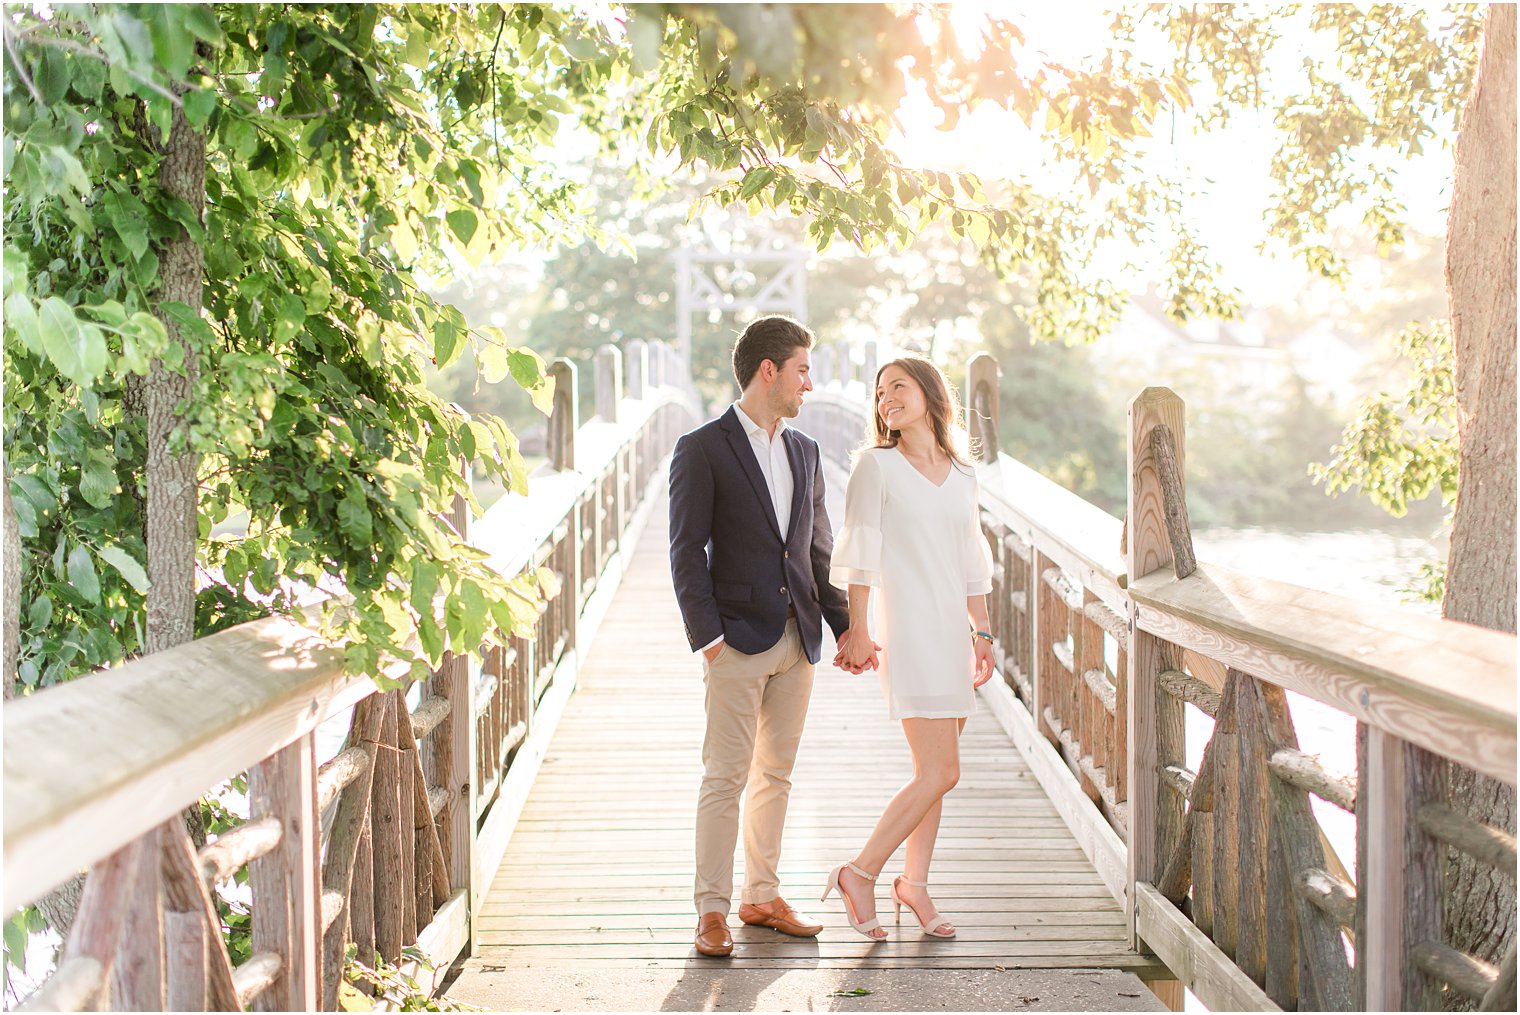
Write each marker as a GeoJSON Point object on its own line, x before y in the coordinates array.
{"type": "Point", "coordinates": [978, 555]}
{"type": "Point", "coordinates": [857, 551]}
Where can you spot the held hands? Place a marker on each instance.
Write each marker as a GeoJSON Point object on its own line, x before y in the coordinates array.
{"type": "Point", "coordinates": [857, 651]}
{"type": "Point", "coordinates": [981, 672]}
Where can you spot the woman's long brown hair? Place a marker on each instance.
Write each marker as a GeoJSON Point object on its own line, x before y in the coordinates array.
{"type": "Point", "coordinates": [941, 401]}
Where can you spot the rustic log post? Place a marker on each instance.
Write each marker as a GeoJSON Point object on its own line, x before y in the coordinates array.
{"type": "Point", "coordinates": [137, 978]}
{"type": "Point", "coordinates": [102, 909]}
{"type": "Point", "coordinates": [186, 953]}
{"type": "Point", "coordinates": [564, 418]}
{"type": "Point", "coordinates": [637, 367]}
{"type": "Point", "coordinates": [1174, 500]}
{"type": "Point", "coordinates": [405, 798]}
{"type": "Point", "coordinates": [1155, 718]}
{"type": "Point", "coordinates": [339, 866]}
{"type": "Point", "coordinates": [287, 910]}
{"type": "Point", "coordinates": [1251, 835]}
{"type": "Point", "coordinates": [1228, 800]}
{"type": "Point", "coordinates": [1324, 979]}
{"type": "Point", "coordinates": [822, 366]}
{"type": "Point", "coordinates": [425, 846]}
{"type": "Point", "coordinates": [188, 899]}
{"type": "Point", "coordinates": [361, 894]}
{"type": "Point", "coordinates": [659, 364]}
{"type": "Point", "coordinates": [868, 363]}
{"type": "Point", "coordinates": [609, 382]}
{"type": "Point", "coordinates": [449, 756]}
{"type": "Point", "coordinates": [982, 377]}
{"type": "Point", "coordinates": [385, 826]}
{"type": "Point", "coordinates": [1399, 887]}
{"type": "Point", "coordinates": [1043, 616]}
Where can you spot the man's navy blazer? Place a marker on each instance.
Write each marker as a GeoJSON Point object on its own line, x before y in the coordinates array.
{"type": "Point", "coordinates": [734, 575]}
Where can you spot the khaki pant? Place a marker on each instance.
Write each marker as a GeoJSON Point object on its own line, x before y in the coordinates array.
{"type": "Point", "coordinates": [756, 707]}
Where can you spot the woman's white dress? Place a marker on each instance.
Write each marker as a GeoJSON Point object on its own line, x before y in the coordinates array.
{"type": "Point", "coordinates": [921, 549]}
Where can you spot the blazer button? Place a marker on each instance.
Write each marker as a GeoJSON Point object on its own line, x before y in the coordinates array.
{"type": "Point", "coordinates": [783, 590]}
{"type": "Point", "coordinates": [786, 554]}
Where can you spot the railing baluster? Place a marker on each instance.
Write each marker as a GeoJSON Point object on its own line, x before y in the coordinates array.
{"type": "Point", "coordinates": [407, 828]}
{"type": "Point", "coordinates": [386, 827]}
{"type": "Point", "coordinates": [137, 978]}
{"type": "Point", "coordinates": [1155, 737]}
{"type": "Point", "coordinates": [361, 893]}
{"type": "Point", "coordinates": [286, 885]}
{"type": "Point", "coordinates": [1253, 796]}
{"type": "Point", "coordinates": [339, 868]}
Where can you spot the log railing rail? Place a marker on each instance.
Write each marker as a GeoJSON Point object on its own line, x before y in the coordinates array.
{"type": "Point", "coordinates": [1108, 629]}
{"type": "Point", "coordinates": [389, 844]}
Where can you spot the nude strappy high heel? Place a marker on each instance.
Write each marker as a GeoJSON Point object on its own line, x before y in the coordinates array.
{"type": "Point", "coordinates": [866, 929]}
{"type": "Point", "coordinates": [935, 925]}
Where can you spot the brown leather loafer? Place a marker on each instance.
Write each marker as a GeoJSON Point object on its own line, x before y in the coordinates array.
{"type": "Point", "coordinates": [779, 916]}
{"type": "Point", "coordinates": [713, 937]}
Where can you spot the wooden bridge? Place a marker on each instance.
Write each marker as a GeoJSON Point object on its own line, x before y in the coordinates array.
{"type": "Point", "coordinates": [536, 810]}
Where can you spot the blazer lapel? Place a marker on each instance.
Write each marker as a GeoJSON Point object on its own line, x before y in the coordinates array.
{"type": "Point", "coordinates": [795, 456]}
{"type": "Point", "coordinates": [745, 453]}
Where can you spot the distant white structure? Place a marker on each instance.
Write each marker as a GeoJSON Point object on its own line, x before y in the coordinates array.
{"type": "Point", "coordinates": [1235, 355]}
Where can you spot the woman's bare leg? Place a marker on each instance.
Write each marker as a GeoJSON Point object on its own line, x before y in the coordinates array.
{"type": "Point", "coordinates": [935, 746]}
{"type": "Point", "coordinates": [920, 852]}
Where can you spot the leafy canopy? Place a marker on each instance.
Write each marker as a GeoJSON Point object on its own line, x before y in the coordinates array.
{"type": "Point", "coordinates": [349, 147]}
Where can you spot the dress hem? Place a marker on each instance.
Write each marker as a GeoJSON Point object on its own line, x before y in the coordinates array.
{"type": "Point", "coordinates": [930, 715]}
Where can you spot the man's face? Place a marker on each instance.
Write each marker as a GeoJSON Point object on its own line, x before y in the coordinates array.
{"type": "Point", "coordinates": [793, 380]}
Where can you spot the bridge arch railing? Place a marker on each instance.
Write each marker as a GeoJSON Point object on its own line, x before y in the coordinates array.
{"type": "Point", "coordinates": [390, 844]}
{"type": "Point", "coordinates": [1108, 632]}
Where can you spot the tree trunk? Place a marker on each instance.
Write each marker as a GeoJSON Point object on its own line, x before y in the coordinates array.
{"type": "Point", "coordinates": [171, 472]}
{"type": "Point", "coordinates": [12, 591]}
{"type": "Point", "coordinates": [1480, 577]}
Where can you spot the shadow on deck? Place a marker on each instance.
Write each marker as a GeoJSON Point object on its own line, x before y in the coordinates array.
{"type": "Point", "coordinates": [591, 907]}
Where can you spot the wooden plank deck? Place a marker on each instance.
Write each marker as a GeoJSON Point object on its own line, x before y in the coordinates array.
{"type": "Point", "coordinates": [599, 869]}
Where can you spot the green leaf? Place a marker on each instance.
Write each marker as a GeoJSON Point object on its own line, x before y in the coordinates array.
{"type": "Point", "coordinates": [424, 585]}
{"type": "Point", "coordinates": [173, 45]}
{"type": "Point", "coordinates": [495, 363]}
{"type": "Point", "coordinates": [755, 181]}
{"type": "Point", "coordinates": [199, 105]}
{"type": "Point", "coordinates": [448, 340]}
{"type": "Point", "coordinates": [22, 318]}
{"type": "Point", "coordinates": [404, 241]}
{"type": "Point", "coordinates": [77, 350]}
{"type": "Point", "coordinates": [354, 517]}
{"type": "Point", "coordinates": [201, 20]}
{"type": "Point", "coordinates": [82, 574]}
{"type": "Point", "coordinates": [97, 480]}
{"type": "Point", "coordinates": [128, 218]}
{"type": "Point", "coordinates": [52, 76]}
{"type": "Point", "coordinates": [463, 222]}
{"type": "Point", "coordinates": [646, 31]}
{"type": "Point", "coordinates": [527, 367]}
{"type": "Point", "coordinates": [129, 568]}
{"type": "Point", "coordinates": [40, 612]}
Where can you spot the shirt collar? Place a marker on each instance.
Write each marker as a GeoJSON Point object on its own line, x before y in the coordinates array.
{"type": "Point", "coordinates": [752, 428]}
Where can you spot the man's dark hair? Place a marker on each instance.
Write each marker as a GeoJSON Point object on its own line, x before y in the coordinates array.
{"type": "Point", "coordinates": [774, 338]}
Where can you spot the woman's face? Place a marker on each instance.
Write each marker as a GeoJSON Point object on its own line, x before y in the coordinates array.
{"type": "Point", "coordinates": [900, 402]}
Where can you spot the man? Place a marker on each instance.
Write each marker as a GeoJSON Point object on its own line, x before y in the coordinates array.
{"type": "Point", "coordinates": [749, 552]}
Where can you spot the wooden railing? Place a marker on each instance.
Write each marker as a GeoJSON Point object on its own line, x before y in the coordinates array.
{"type": "Point", "coordinates": [391, 843]}
{"type": "Point", "coordinates": [1108, 633]}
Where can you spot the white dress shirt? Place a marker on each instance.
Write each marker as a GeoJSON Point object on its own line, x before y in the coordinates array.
{"type": "Point", "coordinates": [776, 467]}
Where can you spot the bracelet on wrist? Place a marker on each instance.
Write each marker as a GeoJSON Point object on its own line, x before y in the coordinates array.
{"type": "Point", "coordinates": [981, 634]}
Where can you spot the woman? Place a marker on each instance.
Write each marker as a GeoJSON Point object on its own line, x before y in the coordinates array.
{"type": "Point", "coordinates": [911, 533]}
